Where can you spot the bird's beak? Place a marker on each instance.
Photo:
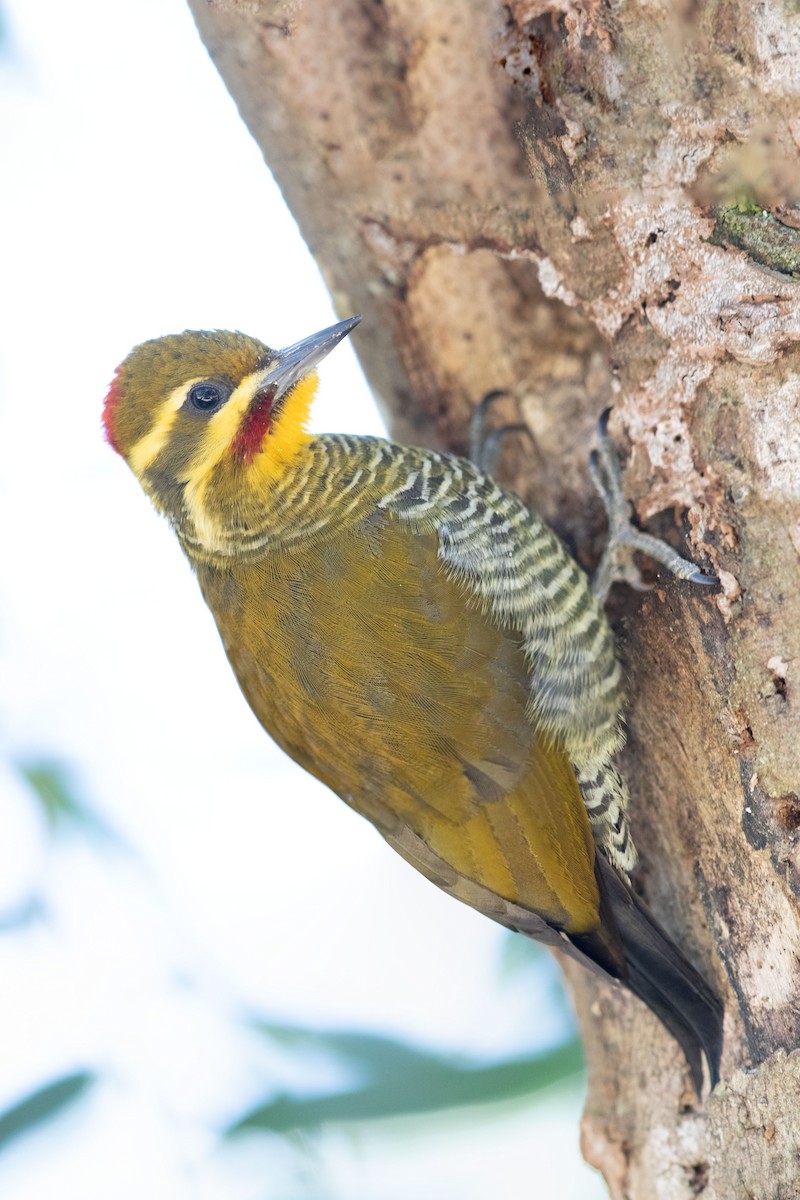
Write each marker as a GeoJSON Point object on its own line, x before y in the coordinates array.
{"type": "Point", "coordinates": [288, 366]}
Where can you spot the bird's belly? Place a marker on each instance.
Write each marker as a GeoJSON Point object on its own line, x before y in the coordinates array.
{"type": "Point", "coordinates": [382, 698]}
{"type": "Point", "coordinates": [369, 667]}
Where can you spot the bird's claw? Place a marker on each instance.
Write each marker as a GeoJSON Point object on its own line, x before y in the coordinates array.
{"type": "Point", "coordinates": [485, 445]}
{"type": "Point", "coordinates": [624, 539]}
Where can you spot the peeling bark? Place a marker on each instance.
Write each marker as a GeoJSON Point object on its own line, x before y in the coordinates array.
{"type": "Point", "coordinates": [589, 203]}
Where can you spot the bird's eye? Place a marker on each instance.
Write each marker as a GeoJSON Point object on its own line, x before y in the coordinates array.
{"type": "Point", "coordinates": [208, 397]}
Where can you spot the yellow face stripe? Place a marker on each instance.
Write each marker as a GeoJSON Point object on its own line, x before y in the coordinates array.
{"type": "Point", "coordinates": [289, 433]}
{"type": "Point", "coordinates": [147, 448]}
{"type": "Point", "coordinates": [280, 447]}
{"type": "Point", "coordinates": [221, 429]}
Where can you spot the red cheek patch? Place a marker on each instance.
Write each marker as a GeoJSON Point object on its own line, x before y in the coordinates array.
{"type": "Point", "coordinates": [254, 428]}
{"type": "Point", "coordinates": [109, 411]}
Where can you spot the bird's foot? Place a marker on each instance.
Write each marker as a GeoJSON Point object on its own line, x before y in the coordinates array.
{"type": "Point", "coordinates": [617, 563]}
{"type": "Point", "coordinates": [485, 444]}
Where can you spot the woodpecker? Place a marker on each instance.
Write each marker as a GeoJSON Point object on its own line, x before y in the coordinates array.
{"type": "Point", "coordinates": [415, 637]}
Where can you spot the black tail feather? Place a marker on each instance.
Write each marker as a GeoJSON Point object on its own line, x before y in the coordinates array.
{"type": "Point", "coordinates": [657, 972]}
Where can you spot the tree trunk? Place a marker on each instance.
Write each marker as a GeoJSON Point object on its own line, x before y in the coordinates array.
{"type": "Point", "coordinates": [589, 203]}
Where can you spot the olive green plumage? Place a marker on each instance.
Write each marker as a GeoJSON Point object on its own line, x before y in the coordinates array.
{"type": "Point", "coordinates": [417, 639]}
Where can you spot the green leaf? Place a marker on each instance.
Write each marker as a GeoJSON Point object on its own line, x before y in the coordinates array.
{"type": "Point", "coordinates": [399, 1079]}
{"type": "Point", "coordinates": [42, 1105]}
{"type": "Point", "coordinates": [57, 794]}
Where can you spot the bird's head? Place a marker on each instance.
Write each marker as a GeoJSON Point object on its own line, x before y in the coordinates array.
{"type": "Point", "coordinates": [197, 413]}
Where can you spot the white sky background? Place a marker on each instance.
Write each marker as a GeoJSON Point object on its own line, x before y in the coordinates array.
{"type": "Point", "coordinates": [134, 203]}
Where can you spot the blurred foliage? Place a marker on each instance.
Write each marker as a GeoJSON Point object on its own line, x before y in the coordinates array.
{"type": "Point", "coordinates": [42, 1105]}
{"type": "Point", "coordinates": [384, 1077]}
{"type": "Point", "coordinates": [399, 1079]}
{"type": "Point", "coordinates": [57, 793]}
{"type": "Point", "coordinates": [26, 913]}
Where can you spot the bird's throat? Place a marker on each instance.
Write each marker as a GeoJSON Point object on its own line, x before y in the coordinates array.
{"type": "Point", "coordinates": [272, 435]}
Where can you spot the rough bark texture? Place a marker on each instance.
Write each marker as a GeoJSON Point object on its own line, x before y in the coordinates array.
{"type": "Point", "coordinates": [590, 203]}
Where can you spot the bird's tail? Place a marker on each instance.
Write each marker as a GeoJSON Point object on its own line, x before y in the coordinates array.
{"type": "Point", "coordinates": [656, 971]}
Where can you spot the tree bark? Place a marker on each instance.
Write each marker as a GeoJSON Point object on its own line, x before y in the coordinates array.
{"type": "Point", "coordinates": [590, 203]}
